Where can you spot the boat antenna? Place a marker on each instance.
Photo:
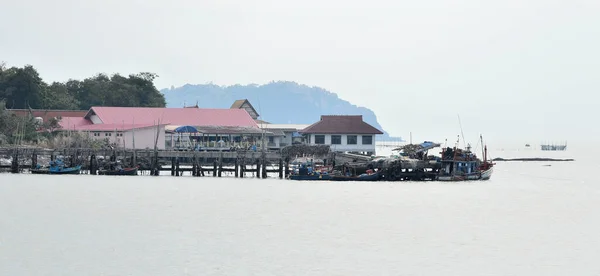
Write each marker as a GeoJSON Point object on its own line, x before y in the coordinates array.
{"type": "Point", "coordinates": [461, 131]}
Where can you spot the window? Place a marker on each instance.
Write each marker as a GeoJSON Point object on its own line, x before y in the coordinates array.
{"type": "Point", "coordinates": [107, 134]}
{"type": "Point", "coordinates": [336, 139]}
{"type": "Point", "coordinates": [96, 134]}
{"type": "Point", "coordinates": [119, 134]}
{"type": "Point", "coordinates": [271, 139]}
{"type": "Point", "coordinates": [367, 140]}
{"type": "Point", "coordinates": [351, 139]}
{"type": "Point", "coordinates": [320, 139]}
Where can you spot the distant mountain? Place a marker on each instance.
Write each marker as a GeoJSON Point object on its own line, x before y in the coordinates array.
{"type": "Point", "coordinates": [276, 102]}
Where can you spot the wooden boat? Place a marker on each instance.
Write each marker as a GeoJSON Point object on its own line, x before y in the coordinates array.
{"type": "Point", "coordinates": [307, 171]}
{"type": "Point", "coordinates": [463, 165]}
{"type": "Point", "coordinates": [123, 171]}
{"type": "Point", "coordinates": [363, 177]}
{"type": "Point", "coordinates": [313, 177]}
{"type": "Point", "coordinates": [57, 167]}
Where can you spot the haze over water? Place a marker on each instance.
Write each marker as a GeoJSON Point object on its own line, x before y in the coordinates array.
{"type": "Point", "coordinates": [529, 219]}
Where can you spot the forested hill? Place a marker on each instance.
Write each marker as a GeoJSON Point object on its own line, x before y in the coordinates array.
{"type": "Point", "coordinates": [276, 102]}
{"type": "Point", "coordinates": [24, 88]}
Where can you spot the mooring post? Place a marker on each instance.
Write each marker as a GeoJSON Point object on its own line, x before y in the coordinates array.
{"type": "Point", "coordinates": [33, 160]}
{"type": "Point", "coordinates": [220, 167]}
{"type": "Point", "coordinates": [215, 168]}
{"type": "Point", "coordinates": [257, 168]}
{"type": "Point", "coordinates": [15, 163]}
{"type": "Point", "coordinates": [264, 168]}
{"type": "Point", "coordinates": [242, 168]}
{"type": "Point", "coordinates": [287, 167]}
{"type": "Point", "coordinates": [235, 166]}
{"type": "Point", "coordinates": [172, 166]}
{"type": "Point", "coordinates": [280, 168]}
{"type": "Point", "coordinates": [177, 170]}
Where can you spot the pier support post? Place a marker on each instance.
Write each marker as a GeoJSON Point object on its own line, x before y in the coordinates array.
{"type": "Point", "coordinates": [14, 168]}
{"type": "Point", "coordinates": [34, 159]}
{"type": "Point", "coordinates": [172, 166]}
{"type": "Point", "coordinates": [93, 164]}
{"type": "Point", "coordinates": [257, 168]}
{"type": "Point", "coordinates": [178, 172]}
{"type": "Point", "coordinates": [215, 168]}
{"type": "Point", "coordinates": [264, 168]}
{"type": "Point", "coordinates": [220, 167]}
{"type": "Point", "coordinates": [235, 165]}
{"type": "Point", "coordinates": [242, 169]}
{"type": "Point", "coordinates": [194, 167]}
{"type": "Point", "coordinates": [287, 167]}
{"type": "Point", "coordinates": [280, 168]}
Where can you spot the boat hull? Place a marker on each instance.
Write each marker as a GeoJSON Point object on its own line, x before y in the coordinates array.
{"type": "Point", "coordinates": [483, 175]}
{"type": "Point", "coordinates": [370, 177]}
{"type": "Point", "coordinates": [127, 171]}
{"type": "Point", "coordinates": [310, 177]}
{"type": "Point", "coordinates": [72, 170]}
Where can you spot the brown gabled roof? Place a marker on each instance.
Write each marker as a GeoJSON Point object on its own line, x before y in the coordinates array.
{"type": "Point", "coordinates": [239, 103]}
{"type": "Point", "coordinates": [341, 124]}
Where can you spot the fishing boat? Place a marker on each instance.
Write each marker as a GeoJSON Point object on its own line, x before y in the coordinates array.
{"type": "Point", "coordinates": [120, 171]}
{"type": "Point", "coordinates": [306, 168]}
{"type": "Point", "coordinates": [462, 165]}
{"type": "Point", "coordinates": [369, 176]}
{"type": "Point", "coordinates": [57, 167]}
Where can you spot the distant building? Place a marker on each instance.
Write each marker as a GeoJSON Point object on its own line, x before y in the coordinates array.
{"type": "Point", "coordinates": [245, 104]}
{"type": "Point", "coordinates": [344, 133]}
{"type": "Point", "coordinates": [231, 127]}
{"type": "Point", "coordinates": [282, 135]}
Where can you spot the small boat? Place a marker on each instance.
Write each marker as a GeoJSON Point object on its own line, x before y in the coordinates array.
{"type": "Point", "coordinates": [57, 167]}
{"type": "Point", "coordinates": [363, 177]}
{"type": "Point", "coordinates": [462, 165]}
{"type": "Point", "coordinates": [121, 171]}
{"type": "Point", "coordinates": [308, 171]}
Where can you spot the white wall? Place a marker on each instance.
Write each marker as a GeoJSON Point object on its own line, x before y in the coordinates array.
{"type": "Point", "coordinates": [359, 147]}
{"type": "Point", "coordinates": [144, 137]}
{"type": "Point", "coordinates": [95, 119]}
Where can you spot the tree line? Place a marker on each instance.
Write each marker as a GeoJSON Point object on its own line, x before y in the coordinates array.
{"type": "Point", "coordinates": [23, 88]}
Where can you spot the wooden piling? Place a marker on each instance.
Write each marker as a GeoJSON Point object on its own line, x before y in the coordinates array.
{"type": "Point", "coordinates": [257, 168]}
{"type": "Point", "coordinates": [280, 168]}
{"type": "Point", "coordinates": [93, 165]}
{"type": "Point", "coordinates": [215, 168]}
{"type": "Point", "coordinates": [287, 167]}
{"type": "Point", "coordinates": [242, 169]}
{"type": "Point", "coordinates": [220, 168]}
{"type": "Point", "coordinates": [178, 172]}
{"type": "Point", "coordinates": [172, 166]}
{"type": "Point", "coordinates": [15, 163]}
{"type": "Point", "coordinates": [264, 168]}
{"type": "Point", "coordinates": [34, 159]}
{"type": "Point", "coordinates": [235, 165]}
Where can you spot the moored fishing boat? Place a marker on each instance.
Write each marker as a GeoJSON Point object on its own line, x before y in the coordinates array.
{"type": "Point", "coordinates": [308, 170]}
{"type": "Point", "coordinates": [57, 167]}
{"type": "Point", "coordinates": [371, 176]}
{"type": "Point", "coordinates": [121, 171]}
{"type": "Point", "coordinates": [462, 165]}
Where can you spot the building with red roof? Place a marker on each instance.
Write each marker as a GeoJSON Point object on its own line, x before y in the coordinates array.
{"type": "Point", "coordinates": [123, 125]}
{"type": "Point", "coordinates": [344, 133]}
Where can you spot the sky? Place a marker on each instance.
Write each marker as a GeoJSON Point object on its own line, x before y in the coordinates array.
{"type": "Point", "coordinates": [515, 71]}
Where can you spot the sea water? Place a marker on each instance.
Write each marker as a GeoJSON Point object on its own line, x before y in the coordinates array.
{"type": "Point", "coordinates": [529, 219]}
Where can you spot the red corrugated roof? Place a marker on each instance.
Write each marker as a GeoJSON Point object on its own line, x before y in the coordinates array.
{"type": "Point", "coordinates": [109, 127]}
{"type": "Point", "coordinates": [341, 124]}
{"type": "Point", "coordinates": [174, 116]}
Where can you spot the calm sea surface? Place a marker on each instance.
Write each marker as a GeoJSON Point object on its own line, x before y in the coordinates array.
{"type": "Point", "coordinates": [529, 219]}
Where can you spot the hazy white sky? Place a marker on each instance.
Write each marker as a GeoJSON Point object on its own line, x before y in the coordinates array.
{"type": "Point", "coordinates": [517, 71]}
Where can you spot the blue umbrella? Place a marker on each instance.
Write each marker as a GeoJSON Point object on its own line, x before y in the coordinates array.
{"type": "Point", "coordinates": [186, 129]}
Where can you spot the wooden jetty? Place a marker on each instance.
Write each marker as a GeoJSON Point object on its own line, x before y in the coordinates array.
{"type": "Point", "coordinates": [198, 163]}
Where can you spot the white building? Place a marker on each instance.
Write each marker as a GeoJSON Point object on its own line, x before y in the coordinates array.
{"type": "Point", "coordinates": [344, 133]}
{"type": "Point", "coordinates": [283, 135]}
